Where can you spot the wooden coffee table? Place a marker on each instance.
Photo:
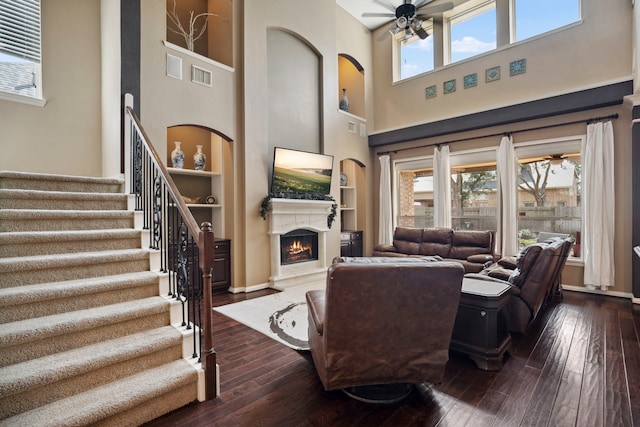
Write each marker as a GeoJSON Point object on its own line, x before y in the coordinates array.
{"type": "Point", "coordinates": [481, 330]}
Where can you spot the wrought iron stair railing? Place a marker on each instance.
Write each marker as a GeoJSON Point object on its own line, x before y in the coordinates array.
{"type": "Point", "coordinates": [186, 249]}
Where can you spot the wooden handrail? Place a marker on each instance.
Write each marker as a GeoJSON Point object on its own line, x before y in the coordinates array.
{"type": "Point", "coordinates": [206, 252]}
{"type": "Point", "coordinates": [190, 222]}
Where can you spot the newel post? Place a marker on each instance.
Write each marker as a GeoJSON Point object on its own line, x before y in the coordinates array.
{"type": "Point", "coordinates": [208, 358]}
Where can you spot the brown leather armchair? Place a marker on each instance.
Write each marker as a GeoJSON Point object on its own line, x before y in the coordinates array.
{"type": "Point", "coordinates": [534, 275]}
{"type": "Point", "coordinates": [383, 321]}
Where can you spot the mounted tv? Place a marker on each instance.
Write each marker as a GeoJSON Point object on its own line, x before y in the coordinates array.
{"type": "Point", "coordinates": [300, 173]}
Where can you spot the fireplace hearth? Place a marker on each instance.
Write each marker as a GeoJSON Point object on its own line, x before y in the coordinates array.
{"type": "Point", "coordinates": [298, 246]}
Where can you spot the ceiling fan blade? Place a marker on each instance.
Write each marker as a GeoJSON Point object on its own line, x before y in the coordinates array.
{"type": "Point", "coordinates": [421, 3]}
{"type": "Point", "coordinates": [387, 5]}
{"type": "Point", "coordinates": [438, 8]}
{"type": "Point", "coordinates": [378, 15]}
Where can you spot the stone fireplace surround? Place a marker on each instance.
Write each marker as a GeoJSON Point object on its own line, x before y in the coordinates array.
{"type": "Point", "coordinates": [290, 214]}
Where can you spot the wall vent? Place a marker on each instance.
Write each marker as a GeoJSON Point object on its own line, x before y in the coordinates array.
{"type": "Point", "coordinates": [200, 76]}
{"type": "Point", "coordinates": [174, 66]}
{"type": "Point", "coordinates": [353, 127]}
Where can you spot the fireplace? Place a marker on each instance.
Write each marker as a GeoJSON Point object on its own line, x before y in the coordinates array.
{"type": "Point", "coordinates": [299, 245]}
{"type": "Point", "coordinates": [294, 264]}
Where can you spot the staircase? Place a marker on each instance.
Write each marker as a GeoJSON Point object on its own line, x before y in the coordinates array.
{"type": "Point", "coordinates": [85, 338]}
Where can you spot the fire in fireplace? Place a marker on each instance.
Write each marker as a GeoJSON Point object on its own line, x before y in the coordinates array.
{"type": "Point", "coordinates": [298, 246]}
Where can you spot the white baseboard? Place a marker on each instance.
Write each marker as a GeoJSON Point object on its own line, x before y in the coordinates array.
{"type": "Point", "coordinates": [586, 290]}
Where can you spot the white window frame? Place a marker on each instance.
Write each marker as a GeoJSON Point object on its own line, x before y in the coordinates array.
{"type": "Point", "coordinates": [400, 165]}
{"type": "Point", "coordinates": [21, 37]}
{"type": "Point", "coordinates": [479, 155]}
{"type": "Point", "coordinates": [466, 11]}
{"type": "Point", "coordinates": [397, 51]}
{"type": "Point", "coordinates": [551, 146]}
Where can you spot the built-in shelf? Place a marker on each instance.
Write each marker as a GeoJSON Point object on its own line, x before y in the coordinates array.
{"type": "Point", "coordinates": [191, 172]}
{"type": "Point", "coordinates": [197, 185]}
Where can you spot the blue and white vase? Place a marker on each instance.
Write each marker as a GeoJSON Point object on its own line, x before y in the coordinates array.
{"type": "Point", "coordinates": [177, 156]}
{"type": "Point", "coordinates": [199, 159]}
{"type": "Point", "coordinates": [344, 102]}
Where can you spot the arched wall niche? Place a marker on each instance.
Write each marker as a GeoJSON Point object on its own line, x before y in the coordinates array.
{"type": "Point", "coordinates": [294, 79]}
{"type": "Point", "coordinates": [353, 195]}
{"type": "Point", "coordinates": [351, 78]}
{"type": "Point", "coordinates": [215, 180]}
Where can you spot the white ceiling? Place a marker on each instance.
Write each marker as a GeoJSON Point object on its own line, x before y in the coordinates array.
{"type": "Point", "coordinates": [358, 7]}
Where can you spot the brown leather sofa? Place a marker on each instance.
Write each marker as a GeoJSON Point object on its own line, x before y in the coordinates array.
{"type": "Point", "coordinates": [383, 321]}
{"type": "Point", "coordinates": [533, 276]}
{"type": "Point", "coordinates": [474, 249]}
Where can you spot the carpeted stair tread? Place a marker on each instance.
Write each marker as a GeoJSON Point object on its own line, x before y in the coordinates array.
{"type": "Point", "coordinates": [37, 237]}
{"type": "Point", "coordinates": [20, 271]}
{"type": "Point", "coordinates": [58, 182]}
{"type": "Point", "coordinates": [57, 367]}
{"type": "Point", "coordinates": [21, 302]}
{"type": "Point", "coordinates": [23, 243]}
{"type": "Point", "coordinates": [36, 262]}
{"type": "Point", "coordinates": [29, 330]}
{"type": "Point", "coordinates": [51, 219]}
{"type": "Point", "coordinates": [110, 400]}
{"type": "Point", "coordinates": [29, 199]}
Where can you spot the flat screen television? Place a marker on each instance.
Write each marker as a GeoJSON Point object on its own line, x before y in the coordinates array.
{"type": "Point", "coordinates": [299, 173]}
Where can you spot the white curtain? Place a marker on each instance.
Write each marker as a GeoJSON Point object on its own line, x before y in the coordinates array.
{"type": "Point", "coordinates": [442, 187]}
{"type": "Point", "coordinates": [598, 201]}
{"type": "Point", "coordinates": [385, 227]}
{"type": "Point", "coordinates": [507, 233]}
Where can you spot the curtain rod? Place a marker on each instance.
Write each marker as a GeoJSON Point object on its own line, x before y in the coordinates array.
{"type": "Point", "coordinates": [437, 144]}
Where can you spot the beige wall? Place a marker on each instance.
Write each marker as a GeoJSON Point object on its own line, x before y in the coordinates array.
{"type": "Point", "coordinates": [336, 140]}
{"type": "Point", "coordinates": [64, 136]}
{"type": "Point", "coordinates": [590, 53]}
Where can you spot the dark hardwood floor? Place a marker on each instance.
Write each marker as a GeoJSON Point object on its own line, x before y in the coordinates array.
{"type": "Point", "coordinates": [578, 365]}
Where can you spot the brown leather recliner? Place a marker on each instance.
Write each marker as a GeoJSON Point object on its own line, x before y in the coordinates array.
{"type": "Point", "coordinates": [380, 321]}
{"type": "Point", "coordinates": [532, 279]}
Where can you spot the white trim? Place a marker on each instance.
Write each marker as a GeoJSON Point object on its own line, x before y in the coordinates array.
{"type": "Point", "coordinates": [198, 56]}
{"type": "Point", "coordinates": [352, 115]}
{"type": "Point", "coordinates": [38, 102]}
{"type": "Point", "coordinates": [585, 290]}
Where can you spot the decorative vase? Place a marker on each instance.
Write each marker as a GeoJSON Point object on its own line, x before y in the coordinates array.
{"type": "Point", "coordinates": [199, 159]}
{"type": "Point", "coordinates": [177, 156]}
{"type": "Point", "coordinates": [344, 102]}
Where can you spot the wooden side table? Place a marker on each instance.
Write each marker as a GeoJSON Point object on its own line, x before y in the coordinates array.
{"type": "Point", "coordinates": [481, 328]}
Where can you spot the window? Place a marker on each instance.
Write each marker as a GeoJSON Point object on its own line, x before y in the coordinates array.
{"type": "Point", "coordinates": [474, 199]}
{"type": "Point", "coordinates": [533, 17]}
{"type": "Point", "coordinates": [472, 28]}
{"type": "Point", "coordinates": [20, 48]}
{"type": "Point", "coordinates": [414, 194]}
{"type": "Point", "coordinates": [472, 31]}
{"type": "Point", "coordinates": [416, 54]}
{"type": "Point", "coordinates": [549, 190]}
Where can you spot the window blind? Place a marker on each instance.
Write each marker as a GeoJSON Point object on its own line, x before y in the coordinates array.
{"type": "Point", "coordinates": [20, 28]}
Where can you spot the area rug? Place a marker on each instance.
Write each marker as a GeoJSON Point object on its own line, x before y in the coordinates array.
{"type": "Point", "coordinates": [281, 316]}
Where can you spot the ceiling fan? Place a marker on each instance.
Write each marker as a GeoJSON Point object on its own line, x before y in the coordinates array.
{"type": "Point", "coordinates": [409, 16]}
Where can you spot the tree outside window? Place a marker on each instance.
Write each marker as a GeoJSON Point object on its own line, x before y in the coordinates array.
{"type": "Point", "coordinates": [549, 197]}
{"type": "Point", "coordinates": [474, 197]}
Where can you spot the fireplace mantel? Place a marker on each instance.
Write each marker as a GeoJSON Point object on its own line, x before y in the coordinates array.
{"type": "Point", "coordinates": [291, 214]}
